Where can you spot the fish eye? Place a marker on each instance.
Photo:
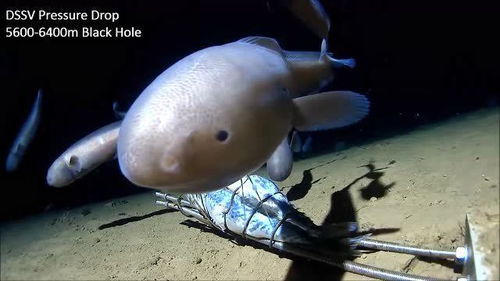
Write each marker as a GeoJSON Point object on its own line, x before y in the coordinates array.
{"type": "Point", "coordinates": [222, 135]}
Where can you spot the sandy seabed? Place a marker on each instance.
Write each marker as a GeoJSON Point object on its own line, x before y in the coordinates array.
{"type": "Point", "coordinates": [422, 183]}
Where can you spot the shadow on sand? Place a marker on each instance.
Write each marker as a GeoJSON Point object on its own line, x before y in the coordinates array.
{"type": "Point", "coordinates": [135, 218]}
{"type": "Point", "coordinates": [375, 188]}
{"type": "Point", "coordinates": [300, 190]}
{"type": "Point", "coordinates": [342, 210]}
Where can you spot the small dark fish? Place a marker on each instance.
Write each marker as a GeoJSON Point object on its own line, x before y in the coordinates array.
{"type": "Point", "coordinates": [25, 136]}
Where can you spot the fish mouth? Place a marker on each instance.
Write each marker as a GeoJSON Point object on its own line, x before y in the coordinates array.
{"type": "Point", "coordinates": [58, 176]}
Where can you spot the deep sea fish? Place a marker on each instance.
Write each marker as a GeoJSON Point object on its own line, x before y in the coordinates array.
{"type": "Point", "coordinates": [84, 156]}
{"type": "Point", "coordinates": [221, 113]}
{"type": "Point", "coordinates": [216, 116]}
{"type": "Point", "coordinates": [25, 136]}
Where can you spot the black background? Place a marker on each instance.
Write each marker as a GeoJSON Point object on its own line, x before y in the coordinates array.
{"type": "Point", "coordinates": [418, 62]}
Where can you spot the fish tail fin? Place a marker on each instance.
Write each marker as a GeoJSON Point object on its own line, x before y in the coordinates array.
{"type": "Point", "coordinates": [335, 63]}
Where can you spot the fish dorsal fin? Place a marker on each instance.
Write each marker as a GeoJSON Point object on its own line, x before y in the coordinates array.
{"type": "Point", "coordinates": [265, 42]}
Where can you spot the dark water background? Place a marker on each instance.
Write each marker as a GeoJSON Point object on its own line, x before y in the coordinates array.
{"type": "Point", "coordinates": [418, 61]}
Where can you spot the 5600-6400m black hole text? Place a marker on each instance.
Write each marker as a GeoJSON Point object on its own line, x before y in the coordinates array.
{"type": "Point", "coordinates": [64, 32]}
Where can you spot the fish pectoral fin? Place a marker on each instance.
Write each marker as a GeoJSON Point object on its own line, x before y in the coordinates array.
{"type": "Point", "coordinates": [279, 165]}
{"type": "Point", "coordinates": [265, 42]}
{"type": "Point", "coordinates": [329, 110]}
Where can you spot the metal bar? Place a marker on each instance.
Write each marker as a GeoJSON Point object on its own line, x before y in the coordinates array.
{"type": "Point", "coordinates": [357, 268]}
{"type": "Point", "coordinates": [380, 273]}
{"type": "Point", "coordinates": [185, 210]}
{"type": "Point", "coordinates": [350, 266]}
{"type": "Point", "coordinates": [171, 198]}
{"type": "Point", "coordinates": [411, 250]}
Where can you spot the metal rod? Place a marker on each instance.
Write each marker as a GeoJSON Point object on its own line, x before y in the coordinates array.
{"type": "Point", "coordinates": [162, 203]}
{"type": "Point", "coordinates": [186, 210]}
{"type": "Point", "coordinates": [347, 265]}
{"type": "Point", "coordinates": [160, 194]}
{"type": "Point", "coordinates": [411, 250]}
{"type": "Point", "coordinates": [380, 273]}
{"type": "Point", "coordinates": [357, 268]}
{"type": "Point", "coordinates": [171, 198]}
